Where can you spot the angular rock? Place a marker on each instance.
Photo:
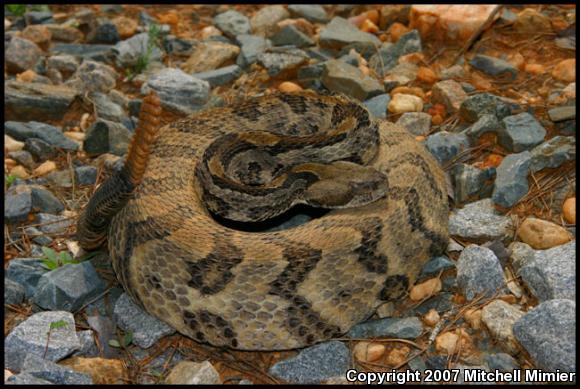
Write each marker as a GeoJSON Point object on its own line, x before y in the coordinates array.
{"type": "Point", "coordinates": [279, 62]}
{"type": "Point", "coordinates": [377, 105]}
{"type": "Point", "coordinates": [50, 371]}
{"type": "Point", "coordinates": [521, 254]}
{"type": "Point", "coordinates": [442, 302]}
{"type": "Point", "coordinates": [511, 182]}
{"type": "Point", "coordinates": [480, 221]}
{"type": "Point", "coordinates": [474, 107]}
{"type": "Point", "coordinates": [31, 337]}
{"type": "Point", "coordinates": [560, 114]}
{"type": "Point", "coordinates": [36, 101]}
{"type": "Point", "coordinates": [53, 224]}
{"type": "Point", "coordinates": [404, 103]}
{"type": "Point", "coordinates": [41, 150]}
{"type": "Point", "coordinates": [104, 136]}
{"type": "Point", "coordinates": [553, 153]}
{"type": "Point", "coordinates": [470, 183]}
{"type": "Point", "coordinates": [26, 379]}
{"type": "Point", "coordinates": [17, 204]}
{"type": "Point", "coordinates": [445, 145]}
{"type": "Point", "coordinates": [220, 76]}
{"type": "Point", "coordinates": [551, 274]}
{"type": "Point", "coordinates": [13, 292]}
{"type": "Point", "coordinates": [312, 12]}
{"type": "Point", "coordinates": [106, 108]}
{"type": "Point", "coordinates": [210, 55]}
{"type": "Point", "coordinates": [404, 328]}
{"type": "Point", "coordinates": [290, 35]}
{"type": "Point", "coordinates": [314, 364]}
{"type": "Point", "coordinates": [521, 132]}
{"type": "Point", "coordinates": [85, 175]}
{"type": "Point", "coordinates": [64, 33]}
{"type": "Point", "coordinates": [50, 134]}
{"type": "Point", "coordinates": [68, 287]}
{"type": "Point", "coordinates": [38, 17]}
{"type": "Point", "coordinates": [340, 32]}
{"type": "Point", "coordinates": [128, 52]}
{"type": "Point", "coordinates": [499, 317]}
{"type": "Point", "coordinates": [26, 272]}
{"type": "Point", "coordinates": [486, 123]}
{"type": "Point", "coordinates": [251, 47]}
{"type": "Point", "coordinates": [493, 66]}
{"type": "Point", "coordinates": [417, 123]}
{"type": "Point", "coordinates": [436, 265]}
{"type": "Point", "coordinates": [103, 31]}
{"type": "Point", "coordinates": [502, 362]}
{"type": "Point", "coordinates": [479, 272]}
{"type": "Point", "coordinates": [21, 54]}
{"type": "Point", "coordinates": [88, 346]}
{"type": "Point", "coordinates": [146, 329]}
{"type": "Point", "coordinates": [343, 78]}
{"type": "Point", "coordinates": [92, 76]}
{"type": "Point", "coordinates": [265, 21]}
{"type": "Point", "coordinates": [85, 52]}
{"type": "Point", "coordinates": [193, 373]}
{"type": "Point", "coordinates": [548, 333]}
{"type": "Point", "coordinates": [450, 94]}
{"type": "Point", "coordinates": [232, 23]}
{"type": "Point", "coordinates": [178, 90]}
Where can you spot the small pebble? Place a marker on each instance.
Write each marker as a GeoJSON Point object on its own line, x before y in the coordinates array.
{"type": "Point", "coordinates": [542, 234]}
{"type": "Point", "coordinates": [289, 87]}
{"type": "Point", "coordinates": [402, 103]}
{"type": "Point", "coordinates": [473, 317]}
{"type": "Point", "coordinates": [565, 70]}
{"type": "Point", "coordinates": [431, 318]}
{"type": "Point", "coordinates": [11, 144]}
{"type": "Point", "coordinates": [45, 168]}
{"type": "Point", "coordinates": [398, 356]}
{"type": "Point", "coordinates": [569, 210]}
{"type": "Point", "coordinates": [446, 343]}
{"type": "Point", "coordinates": [368, 352]}
{"type": "Point", "coordinates": [19, 171]}
{"type": "Point", "coordinates": [425, 289]}
{"type": "Point", "coordinates": [427, 75]}
{"type": "Point", "coordinates": [534, 68]}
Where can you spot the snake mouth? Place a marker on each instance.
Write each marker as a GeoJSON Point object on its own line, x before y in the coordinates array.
{"type": "Point", "coordinates": [294, 217]}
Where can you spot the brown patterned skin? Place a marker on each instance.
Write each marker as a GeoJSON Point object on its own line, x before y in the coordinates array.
{"type": "Point", "coordinates": [272, 290]}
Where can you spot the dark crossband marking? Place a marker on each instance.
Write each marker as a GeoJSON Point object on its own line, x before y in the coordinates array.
{"type": "Point", "coordinates": [205, 326]}
{"type": "Point", "coordinates": [368, 252]}
{"type": "Point", "coordinates": [417, 160]}
{"type": "Point", "coordinates": [394, 287]}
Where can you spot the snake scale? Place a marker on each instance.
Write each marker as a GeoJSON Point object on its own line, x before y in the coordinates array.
{"type": "Point", "coordinates": [251, 161]}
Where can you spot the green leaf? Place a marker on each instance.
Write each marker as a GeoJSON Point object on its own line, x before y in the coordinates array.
{"type": "Point", "coordinates": [16, 9]}
{"type": "Point", "coordinates": [58, 324]}
{"type": "Point", "coordinates": [10, 180]}
{"type": "Point", "coordinates": [65, 257]}
{"type": "Point", "coordinates": [49, 265]}
{"type": "Point", "coordinates": [50, 253]}
{"type": "Point", "coordinates": [114, 343]}
{"type": "Point", "coordinates": [127, 339]}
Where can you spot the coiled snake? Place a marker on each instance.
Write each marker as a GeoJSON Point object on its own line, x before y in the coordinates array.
{"type": "Point", "coordinates": [249, 162]}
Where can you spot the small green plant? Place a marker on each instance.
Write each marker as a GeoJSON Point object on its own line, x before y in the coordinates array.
{"type": "Point", "coordinates": [10, 180]}
{"type": "Point", "coordinates": [16, 9]}
{"type": "Point", "coordinates": [154, 41]}
{"type": "Point", "coordinates": [53, 326]}
{"type": "Point", "coordinates": [53, 261]}
{"type": "Point", "coordinates": [123, 342]}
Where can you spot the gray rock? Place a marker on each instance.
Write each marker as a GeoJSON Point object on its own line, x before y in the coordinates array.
{"type": "Point", "coordinates": [105, 136]}
{"type": "Point", "coordinates": [106, 304]}
{"type": "Point", "coordinates": [26, 379]}
{"type": "Point", "coordinates": [41, 150]}
{"type": "Point", "coordinates": [437, 362]}
{"type": "Point", "coordinates": [265, 21]}
{"type": "Point", "coordinates": [401, 74]}
{"type": "Point", "coordinates": [499, 250]}
{"type": "Point", "coordinates": [446, 145]}
{"type": "Point", "coordinates": [436, 265]}
{"type": "Point", "coordinates": [38, 17]}
{"type": "Point", "coordinates": [310, 75]}
{"type": "Point", "coordinates": [290, 35]}
{"type": "Point", "coordinates": [194, 373]}
{"type": "Point", "coordinates": [278, 62]}
{"type": "Point", "coordinates": [21, 54]}
{"type": "Point", "coordinates": [314, 364]}
{"type": "Point", "coordinates": [340, 32]}
{"type": "Point", "coordinates": [68, 287]}
{"type": "Point", "coordinates": [23, 157]}
{"type": "Point", "coordinates": [53, 224]}
{"type": "Point", "coordinates": [387, 57]}
{"type": "Point", "coordinates": [84, 51]}
{"type": "Point", "coordinates": [312, 12]}
{"type": "Point", "coordinates": [85, 175]}
{"type": "Point", "coordinates": [106, 108]}
{"type": "Point", "coordinates": [146, 329]}
{"type": "Point", "coordinates": [178, 90]}
{"type": "Point", "coordinates": [60, 178]}
{"type": "Point", "coordinates": [553, 153]}
{"type": "Point", "coordinates": [493, 66]}
{"type": "Point", "coordinates": [50, 371]}
{"type": "Point", "coordinates": [521, 132]}
{"type": "Point", "coordinates": [521, 255]}
{"type": "Point", "coordinates": [417, 123]}
{"type": "Point", "coordinates": [441, 302]}
{"type": "Point", "coordinates": [486, 123]}
{"type": "Point", "coordinates": [93, 76]}
{"type": "Point", "coordinates": [103, 31]}
{"type": "Point", "coordinates": [232, 23]}
{"type": "Point", "coordinates": [559, 114]}
{"type": "Point", "coordinates": [548, 333]}
{"type": "Point", "coordinates": [467, 87]}
{"type": "Point", "coordinates": [45, 201]}
{"type": "Point", "coordinates": [13, 292]}
{"type": "Point", "coordinates": [417, 364]}
{"type": "Point", "coordinates": [479, 271]}
{"type": "Point", "coordinates": [129, 51]}
{"type": "Point", "coordinates": [453, 72]}
{"type": "Point", "coordinates": [178, 46]}
{"type": "Point", "coordinates": [50, 134]}
{"type": "Point", "coordinates": [474, 107]}
{"type": "Point", "coordinates": [511, 182]}
{"type": "Point", "coordinates": [293, 221]}
{"type": "Point", "coordinates": [31, 337]}
{"type": "Point", "coordinates": [377, 106]}
{"type": "Point", "coordinates": [499, 318]}
{"type": "Point", "coordinates": [566, 127]}
{"type": "Point", "coordinates": [501, 361]}
{"type": "Point", "coordinates": [251, 46]}
{"type": "Point", "coordinates": [66, 64]}
{"type": "Point", "coordinates": [404, 328]}
{"type": "Point", "coordinates": [551, 274]}
{"type": "Point", "coordinates": [470, 183]}
{"type": "Point", "coordinates": [450, 93]}
{"type": "Point", "coordinates": [220, 76]}
{"type": "Point", "coordinates": [26, 272]}
{"type": "Point", "coordinates": [17, 204]}
{"type": "Point", "coordinates": [343, 78]}
{"type": "Point", "coordinates": [88, 345]}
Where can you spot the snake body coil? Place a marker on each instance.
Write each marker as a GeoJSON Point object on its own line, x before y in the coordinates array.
{"type": "Point", "coordinates": [250, 162]}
